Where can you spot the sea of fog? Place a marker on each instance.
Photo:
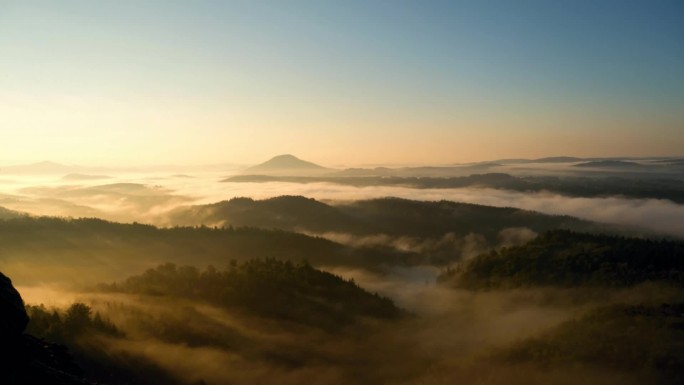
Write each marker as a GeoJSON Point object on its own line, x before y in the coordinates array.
{"type": "Point", "coordinates": [454, 323]}
{"type": "Point", "coordinates": [147, 197]}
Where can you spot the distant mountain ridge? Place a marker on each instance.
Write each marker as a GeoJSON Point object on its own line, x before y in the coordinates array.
{"type": "Point", "coordinates": [610, 163]}
{"type": "Point", "coordinates": [286, 164]}
{"type": "Point", "coordinates": [659, 188]}
{"type": "Point", "coordinates": [78, 176]}
{"type": "Point", "coordinates": [291, 166]}
{"type": "Point", "coordinates": [71, 170]}
{"type": "Point", "coordinates": [44, 167]}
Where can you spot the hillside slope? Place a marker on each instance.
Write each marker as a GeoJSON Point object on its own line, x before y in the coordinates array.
{"type": "Point", "coordinates": [565, 258]}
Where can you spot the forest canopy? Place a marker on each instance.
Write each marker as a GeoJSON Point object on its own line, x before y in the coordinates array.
{"type": "Point", "coordinates": [566, 258]}
{"type": "Point", "coordinates": [266, 287]}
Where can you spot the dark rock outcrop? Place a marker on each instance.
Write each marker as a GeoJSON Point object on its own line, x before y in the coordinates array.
{"type": "Point", "coordinates": [26, 360]}
{"type": "Point", "coordinates": [13, 318]}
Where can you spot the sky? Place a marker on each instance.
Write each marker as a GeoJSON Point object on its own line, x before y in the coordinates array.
{"type": "Point", "coordinates": [338, 82]}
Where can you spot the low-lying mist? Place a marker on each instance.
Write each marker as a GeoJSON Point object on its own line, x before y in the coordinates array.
{"type": "Point", "coordinates": [443, 250]}
{"type": "Point", "coordinates": [442, 334]}
{"type": "Point", "coordinates": [451, 335]}
{"type": "Point", "coordinates": [150, 198]}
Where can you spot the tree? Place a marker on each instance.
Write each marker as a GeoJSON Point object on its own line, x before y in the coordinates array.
{"type": "Point", "coordinates": [77, 318]}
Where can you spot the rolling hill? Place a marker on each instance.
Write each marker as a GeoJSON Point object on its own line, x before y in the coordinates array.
{"type": "Point", "coordinates": [87, 251]}
{"type": "Point", "coordinates": [391, 216]}
{"type": "Point", "coordinates": [569, 259]}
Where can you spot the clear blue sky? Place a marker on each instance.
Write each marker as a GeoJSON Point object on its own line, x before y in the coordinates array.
{"type": "Point", "coordinates": [104, 82]}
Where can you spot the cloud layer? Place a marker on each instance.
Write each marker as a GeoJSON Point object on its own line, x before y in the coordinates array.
{"type": "Point", "coordinates": [147, 198]}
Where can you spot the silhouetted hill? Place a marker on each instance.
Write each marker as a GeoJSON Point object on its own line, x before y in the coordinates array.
{"type": "Point", "coordinates": [79, 177]}
{"type": "Point", "coordinates": [391, 216]}
{"type": "Point", "coordinates": [270, 288]}
{"type": "Point", "coordinates": [8, 214]}
{"type": "Point", "coordinates": [44, 167]}
{"type": "Point", "coordinates": [643, 187]}
{"type": "Point", "coordinates": [670, 161]}
{"type": "Point", "coordinates": [610, 164]}
{"type": "Point", "coordinates": [499, 180]}
{"type": "Point", "coordinates": [286, 165]}
{"type": "Point", "coordinates": [284, 212]}
{"type": "Point", "coordinates": [557, 159]}
{"type": "Point", "coordinates": [548, 159]}
{"type": "Point", "coordinates": [565, 258]}
{"type": "Point", "coordinates": [427, 219]}
{"type": "Point", "coordinates": [416, 172]}
{"type": "Point", "coordinates": [484, 165]}
{"type": "Point", "coordinates": [437, 231]}
{"type": "Point", "coordinates": [93, 250]}
{"type": "Point", "coordinates": [573, 159]}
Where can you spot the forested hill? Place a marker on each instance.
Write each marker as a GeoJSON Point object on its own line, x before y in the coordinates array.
{"type": "Point", "coordinates": [266, 287]}
{"type": "Point", "coordinates": [93, 250]}
{"type": "Point", "coordinates": [647, 338]}
{"type": "Point", "coordinates": [668, 186]}
{"type": "Point", "coordinates": [565, 258]}
{"type": "Point", "coordinates": [390, 216]}
{"type": "Point", "coordinates": [9, 214]}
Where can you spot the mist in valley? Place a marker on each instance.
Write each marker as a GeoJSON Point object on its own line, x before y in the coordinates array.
{"type": "Point", "coordinates": [335, 193]}
{"type": "Point", "coordinates": [73, 275]}
{"type": "Point", "coordinates": [153, 198]}
{"type": "Point", "coordinates": [447, 334]}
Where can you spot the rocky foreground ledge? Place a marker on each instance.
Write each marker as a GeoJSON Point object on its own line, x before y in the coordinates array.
{"type": "Point", "coordinates": [25, 359]}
